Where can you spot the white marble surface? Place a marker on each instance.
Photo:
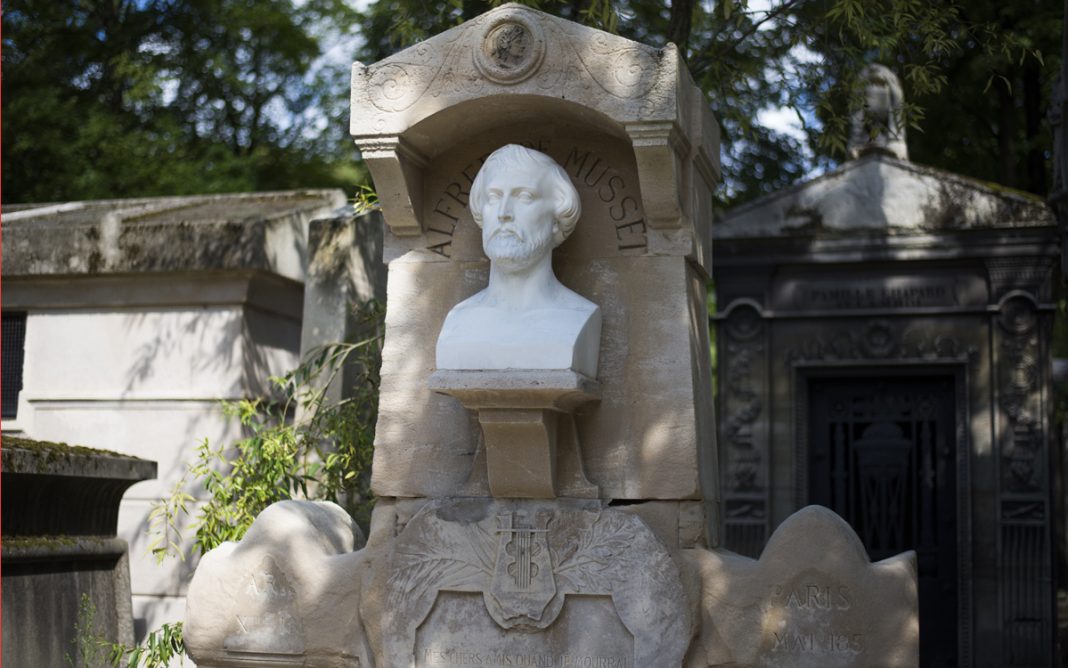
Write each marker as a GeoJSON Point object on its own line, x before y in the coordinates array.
{"type": "Point", "coordinates": [525, 318]}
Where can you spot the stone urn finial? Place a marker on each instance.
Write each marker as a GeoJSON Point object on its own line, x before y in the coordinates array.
{"type": "Point", "coordinates": [878, 127]}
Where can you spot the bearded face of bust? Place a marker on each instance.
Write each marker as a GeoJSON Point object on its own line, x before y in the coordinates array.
{"type": "Point", "coordinates": [518, 217]}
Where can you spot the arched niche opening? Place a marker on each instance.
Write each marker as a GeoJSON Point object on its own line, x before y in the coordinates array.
{"type": "Point", "coordinates": [594, 151]}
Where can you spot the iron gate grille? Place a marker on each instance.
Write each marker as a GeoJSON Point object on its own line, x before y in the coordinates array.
{"type": "Point", "coordinates": [12, 353]}
{"type": "Point", "coordinates": [882, 454]}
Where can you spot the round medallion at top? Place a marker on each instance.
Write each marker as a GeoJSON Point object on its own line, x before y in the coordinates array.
{"type": "Point", "coordinates": [1018, 315]}
{"type": "Point", "coordinates": [744, 323]}
{"type": "Point", "coordinates": [512, 48]}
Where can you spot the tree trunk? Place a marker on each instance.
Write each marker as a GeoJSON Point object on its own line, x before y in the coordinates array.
{"type": "Point", "coordinates": [681, 24]}
{"type": "Point", "coordinates": [1036, 159]}
{"type": "Point", "coordinates": [1006, 132]}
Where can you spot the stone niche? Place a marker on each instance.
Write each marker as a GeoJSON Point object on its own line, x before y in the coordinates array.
{"type": "Point", "coordinates": [636, 137]}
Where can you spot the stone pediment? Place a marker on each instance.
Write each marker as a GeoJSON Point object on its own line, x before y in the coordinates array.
{"type": "Point", "coordinates": [515, 50]}
{"type": "Point", "coordinates": [881, 194]}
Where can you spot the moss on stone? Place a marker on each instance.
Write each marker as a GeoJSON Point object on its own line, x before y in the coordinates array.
{"type": "Point", "coordinates": [25, 455]}
{"type": "Point", "coordinates": [53, 450]}
{"type": "Point", "coordinates": [38, 543]}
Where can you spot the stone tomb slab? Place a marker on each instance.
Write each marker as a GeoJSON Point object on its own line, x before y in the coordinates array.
{"type": "Point", "coordinates": [549, 583]}
{"type": "Point", "coordinates": [812, 600]}
{"type": "Point", "coordinates": [459, 632]}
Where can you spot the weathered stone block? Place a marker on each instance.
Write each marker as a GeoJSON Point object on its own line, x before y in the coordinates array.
{"type": "Point", "coordinates": [812, 600]}
{"type": "Point", "coordinates": [286, 595]}
{"type": "Point", "coordinates": [63, 566]}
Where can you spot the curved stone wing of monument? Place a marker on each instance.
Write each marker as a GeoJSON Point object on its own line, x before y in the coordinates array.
{"type": "Point", "coordinates": [285, 594]}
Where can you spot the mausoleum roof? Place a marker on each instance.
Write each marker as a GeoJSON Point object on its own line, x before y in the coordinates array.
{"type": "Point", "coordinates": [255, 231]}
{"type": "Point", "coordinates": [884, 195]}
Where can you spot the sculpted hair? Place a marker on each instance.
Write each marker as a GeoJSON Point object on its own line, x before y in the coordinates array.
{"type": "Point", "coordinates": [568, 206]}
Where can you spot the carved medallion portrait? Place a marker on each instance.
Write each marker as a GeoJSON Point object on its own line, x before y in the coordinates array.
{"type": "Point", "coordinates": [511, 50]}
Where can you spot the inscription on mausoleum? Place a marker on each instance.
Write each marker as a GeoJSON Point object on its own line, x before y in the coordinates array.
{"type": "Point", "coordinates": [890, 292]}
{"type": "Point", "coordinates": [813, 618]}
{"type": "Point", "coordinates": [479, 641]}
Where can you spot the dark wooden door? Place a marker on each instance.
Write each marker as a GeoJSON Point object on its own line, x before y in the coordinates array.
{"type": "Point", "coordinates": [882, 454]}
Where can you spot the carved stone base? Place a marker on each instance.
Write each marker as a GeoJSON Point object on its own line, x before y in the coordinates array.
{"type": "Point", "coordinates": [520, 452]}
{"type": "Point", "coordinates": [563, 583]}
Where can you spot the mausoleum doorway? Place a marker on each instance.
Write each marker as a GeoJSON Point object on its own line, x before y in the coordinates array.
{"type": "Point", "coordinates": [882, 453]}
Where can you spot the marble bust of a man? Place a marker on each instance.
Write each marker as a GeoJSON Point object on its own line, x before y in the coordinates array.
{"type": "Point", "coordinates": [525, 318]}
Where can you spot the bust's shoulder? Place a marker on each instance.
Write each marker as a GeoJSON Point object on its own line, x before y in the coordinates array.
{"type": "Point", "coordinates": [566, 298]}
{"type": "Point", "coordinates": [474, 301]}
{"type": "Point", "coordinates": [480, 305]}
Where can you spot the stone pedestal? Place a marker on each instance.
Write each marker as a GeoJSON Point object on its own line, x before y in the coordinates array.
{"type": "Point", "coordinates": [527, 419]}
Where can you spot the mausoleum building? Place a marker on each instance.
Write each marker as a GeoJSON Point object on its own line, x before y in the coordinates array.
{"type": "Point", "coordinates": [884, 350]}
{"type": "Point", "coordinates": [126, 322]}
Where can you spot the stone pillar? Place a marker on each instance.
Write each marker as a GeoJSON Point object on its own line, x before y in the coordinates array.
{"type": "Point", "coordinates": [345, 272]}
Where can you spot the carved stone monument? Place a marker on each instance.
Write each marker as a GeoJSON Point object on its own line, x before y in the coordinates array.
{"type": "Point", "coordinates": [544, 459]}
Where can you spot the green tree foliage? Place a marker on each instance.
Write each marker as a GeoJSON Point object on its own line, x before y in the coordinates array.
{"type": "Point", "coordinates": [162, 648]}
{"type": "Point", "coordinates": [301, 445]}
{"type": "Point", "coordinates": [114, 98]}
{"type": "Point", "coordinates": [111, 98]}
{"type": "Point", "coordinates": [804, 55]}
{"type": "Point", "coordinates": [990, 122]}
